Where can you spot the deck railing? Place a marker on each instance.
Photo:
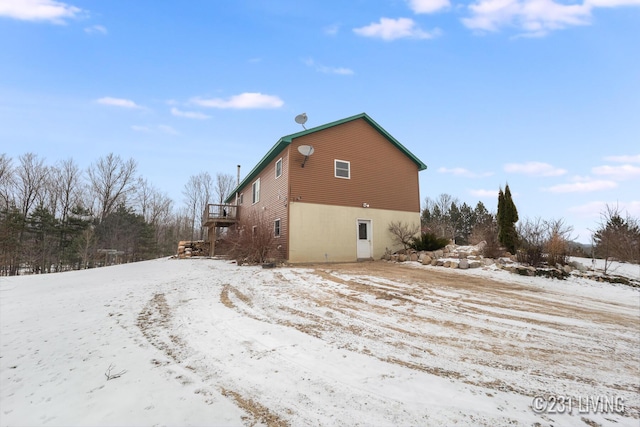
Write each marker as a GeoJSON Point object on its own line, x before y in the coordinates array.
{"type": "Point", "coordinates": [220, 213]}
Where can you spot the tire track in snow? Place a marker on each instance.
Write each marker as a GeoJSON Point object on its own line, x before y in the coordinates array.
{"type": "Point", "coordinates": [155, 322]}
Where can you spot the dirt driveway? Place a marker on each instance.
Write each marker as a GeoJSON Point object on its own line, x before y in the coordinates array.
{"type": "Point", "coordinates": [493, 334]}
{"type": "Point", "coordinates": [501, 342]}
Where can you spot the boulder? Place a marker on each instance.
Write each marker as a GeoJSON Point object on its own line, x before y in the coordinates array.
{"type": "Point", "coordinates": [578, 266]}
{"type": "Point", "coordinates": [464, 264]}
{"type": "Point", "coordinates": [480, 246]}
{"type": "Point", "coordinates": [426, 260]}
{"type": "Point", "coordinates": [475, 264]}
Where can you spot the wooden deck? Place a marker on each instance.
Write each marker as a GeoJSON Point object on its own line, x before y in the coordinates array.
{"type": "Point", "coordinates": [216, 215]}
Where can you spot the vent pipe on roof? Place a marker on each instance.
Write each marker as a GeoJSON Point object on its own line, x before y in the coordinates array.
{"type": "Point", "coordinates": [238, 182]}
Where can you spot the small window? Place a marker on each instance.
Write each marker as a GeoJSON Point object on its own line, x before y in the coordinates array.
{"type": "Point", "coordinates": [342, 169]}
{"type": "Point", "coordinates": [241, 198]}
{"type": "Point", "coordinates": [255, 191]}
{"type": "Point", "coordinates": [362, 231]}
{"type": "Point", "coordinates": [276, 228]}
{"type": "Point", "coordinates": [279, 168]}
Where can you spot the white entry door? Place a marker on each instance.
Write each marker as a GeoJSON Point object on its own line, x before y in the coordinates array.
{"type": "Point", "coordinates": [364, 249]}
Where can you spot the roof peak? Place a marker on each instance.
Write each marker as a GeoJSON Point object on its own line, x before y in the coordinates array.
{"type": "Point", "coordinates": [287, 139]}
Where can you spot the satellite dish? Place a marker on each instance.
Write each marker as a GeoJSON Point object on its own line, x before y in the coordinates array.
{"type": "Point", "coordinates": [301, 119]}
{"type": "Point", "coordinates": [306, 151]}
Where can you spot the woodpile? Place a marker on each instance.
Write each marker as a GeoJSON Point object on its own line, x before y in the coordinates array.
{"type": "Point", "coordinates": [192, 248]}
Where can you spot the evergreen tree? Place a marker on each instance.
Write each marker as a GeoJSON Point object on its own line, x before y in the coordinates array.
{"type": "Point", "coordinates": [617, 237]}
{"type": "Point", "coordinates": [507, 217]}
{"type": "Point", "coordinates": [41, 242]}
{"type": "Point", "coordinates": [12, 224]}
{"type": "Point", "coordinates": [482, 215]}
{"type": "Point", "coordinates": [468, 220]}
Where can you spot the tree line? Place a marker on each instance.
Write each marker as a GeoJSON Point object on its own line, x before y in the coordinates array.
{"type": "Point", "coordinates": [60, 217]}
{"type": "Point", "coordinates": [534, 241]}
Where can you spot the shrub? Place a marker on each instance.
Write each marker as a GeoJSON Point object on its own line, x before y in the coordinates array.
{"type": "Point", "coordinates": [252, 241]}
{"type": "Point", "coordinates": [557, 250]}
{"type": "Point", "coordinates": [428, 242]}
{"type": "Point", "coordinates": [487, 232]}
{"type": "Point", "coordinates": [544, 242]}
{"type": "Point", "coordinates": [403, 233]}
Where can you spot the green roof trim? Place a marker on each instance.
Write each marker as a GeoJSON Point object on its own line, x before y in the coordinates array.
{"type": "Point", "coordinates": [286, 140]}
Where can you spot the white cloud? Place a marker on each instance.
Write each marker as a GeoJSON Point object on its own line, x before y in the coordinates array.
{"type": "Point", "coordinates": [596, 208]}
{"type": "Point", "coordinates": [245, 100]}
{"type": "Point", "coordinates": [625, 158]}
{"type": "Point", "coordinates": [328, 70]}
{"type": "Point", "coordinates": [583, 186]}
{"type": "Point", "coordinates": [484, 193]}
{"type": "Point", "coordinates": [428, 6]}
{"type": "Point", "coordinates": [95, 29]}
{"type": "Point", "coordinates": [534, 169]}
{"type": "Point", "coordinates": [612, 3]}
{"type": "Point", "coordinates": [464, 172]}
{"type": "Point", "coordinates": [39, 10]}
{"type": "Point", "coordinates": [189, 114]}
{"type": "Point", "coordinates": [533, 17]}
{"type": "Point", "coordinates": [617, 172]}
{"type": "Point", "coordinates": [391, 29]}
{"type": "Point", "coordinates": [117, 102]}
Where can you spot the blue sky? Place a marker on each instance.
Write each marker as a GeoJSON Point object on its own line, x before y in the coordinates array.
{"type": "Point", "coordinates": [543, 95]}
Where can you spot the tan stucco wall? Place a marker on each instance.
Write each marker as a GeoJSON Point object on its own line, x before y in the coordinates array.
{"type": "Point", "coordinates": [316, 230]}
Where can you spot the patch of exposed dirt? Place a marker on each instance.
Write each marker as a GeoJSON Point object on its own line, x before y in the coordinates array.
{"type": "Point", "coordinates": [260, 413]}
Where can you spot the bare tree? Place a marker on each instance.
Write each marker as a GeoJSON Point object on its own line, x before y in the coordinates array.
{"type": "Point", "coordinates": [111, 179]}
{"type": "Point", "coordinates": [6, 180]}
{"type": "Point", "coordinates": [155, 207]}
{"type": "Point", "coordinates": [68, 186]}
{"type": "Point", "coordinates": [31, 176]}
{"type": "Point", "coordinates": [225, 182]}
{"type": "Point", "coordinates": [197, 192]}
{"type": "Point", "coordinates": [403, 233]}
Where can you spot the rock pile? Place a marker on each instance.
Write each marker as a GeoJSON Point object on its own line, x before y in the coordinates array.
{"type": "Point", "coordinates": [465, 257]}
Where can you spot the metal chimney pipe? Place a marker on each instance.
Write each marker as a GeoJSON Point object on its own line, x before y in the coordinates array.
{"type": "Point", "coordinates": [238, 183]}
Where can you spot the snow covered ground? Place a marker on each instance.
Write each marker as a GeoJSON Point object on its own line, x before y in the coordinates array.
{"type": "Point", "coordinates": [205, 342]}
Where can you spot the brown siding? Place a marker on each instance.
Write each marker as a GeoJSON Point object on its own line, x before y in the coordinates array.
{"type": "Point", "coordinates": [273, 199]}
{"type": "Point", "coordinates": [381, 175]}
